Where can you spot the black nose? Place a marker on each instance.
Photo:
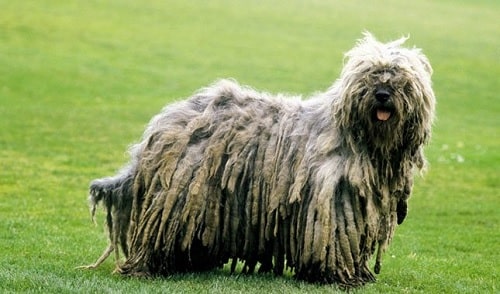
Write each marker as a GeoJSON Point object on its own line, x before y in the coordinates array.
{"type": "Point", "coordinates": [382, 95]}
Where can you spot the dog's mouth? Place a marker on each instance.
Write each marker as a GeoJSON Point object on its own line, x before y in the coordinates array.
{"type": "Point", "coordinates": [383, 107]}
{"type": "Point", "coordinates": [383, 113]}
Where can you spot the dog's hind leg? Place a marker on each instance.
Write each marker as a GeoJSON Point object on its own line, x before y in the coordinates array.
{"type": "Point", "coordinates": [115, 193]}
{"type": "Point", "coordinates": [101, 259]}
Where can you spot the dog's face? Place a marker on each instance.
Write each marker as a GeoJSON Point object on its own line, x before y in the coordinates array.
{"type": "Point", "coordinates": [386, 101]}
{"type": "Point", "coordinates": [383, 102]}
{"type": "Point", "coordinates": [382, 95]}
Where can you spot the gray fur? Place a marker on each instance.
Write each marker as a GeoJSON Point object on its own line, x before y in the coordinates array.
{"type": "Point", "coordinates": [232, 173]}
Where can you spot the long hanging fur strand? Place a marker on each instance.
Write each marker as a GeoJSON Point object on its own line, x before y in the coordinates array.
{"type": "Point", "coordinates": [316, 186]}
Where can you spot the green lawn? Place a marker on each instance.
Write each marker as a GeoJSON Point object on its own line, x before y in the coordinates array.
{"type": "Point", "coordinates": [80, 79]}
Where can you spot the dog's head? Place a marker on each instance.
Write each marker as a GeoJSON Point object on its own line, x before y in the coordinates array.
{"type": "Point", "coordinates": [386, 100]}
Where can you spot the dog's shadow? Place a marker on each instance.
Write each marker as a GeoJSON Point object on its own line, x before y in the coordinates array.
{"type": "Point", "coordinates": [221, 280]}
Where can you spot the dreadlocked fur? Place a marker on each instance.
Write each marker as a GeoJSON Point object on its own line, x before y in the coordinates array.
{"type": "Point", "coordinates": [233, 174]}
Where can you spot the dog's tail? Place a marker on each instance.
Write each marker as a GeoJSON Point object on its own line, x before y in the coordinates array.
{"type": "Point", "coordinates": [103, 190]}
{"type": "Point", "coordinates": [115, 193]}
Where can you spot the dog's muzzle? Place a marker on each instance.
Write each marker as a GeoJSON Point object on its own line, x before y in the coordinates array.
{"type": "Point", "coordinates": [382, 95]}
{"type": "Point", "coordinates": [384, 107]}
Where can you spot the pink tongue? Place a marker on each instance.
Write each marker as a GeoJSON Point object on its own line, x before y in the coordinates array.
{"type": "Point", "coordinates": [383, 114]}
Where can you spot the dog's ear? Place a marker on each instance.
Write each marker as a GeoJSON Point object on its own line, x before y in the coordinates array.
{"type": "Point", "coordinates": [425, 63]}
{"type": "Point", "coordinates": [402, 205]}
{"type": "Point", "coordinates": [402, 210]}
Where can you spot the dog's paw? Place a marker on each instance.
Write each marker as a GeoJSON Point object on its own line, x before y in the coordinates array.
{"type": "Point", "coordinates": [87, 267]}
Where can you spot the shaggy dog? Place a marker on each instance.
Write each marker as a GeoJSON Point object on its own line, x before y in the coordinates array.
{"type": "Point", "coordinates": [316, 186]}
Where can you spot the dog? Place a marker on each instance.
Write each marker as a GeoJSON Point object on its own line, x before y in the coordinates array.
{"type": "Point", "coordinates": [316, 186]}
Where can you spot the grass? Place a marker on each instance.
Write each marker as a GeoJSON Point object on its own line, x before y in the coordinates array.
{"type": "Point", "coordinates": [80, 79]}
